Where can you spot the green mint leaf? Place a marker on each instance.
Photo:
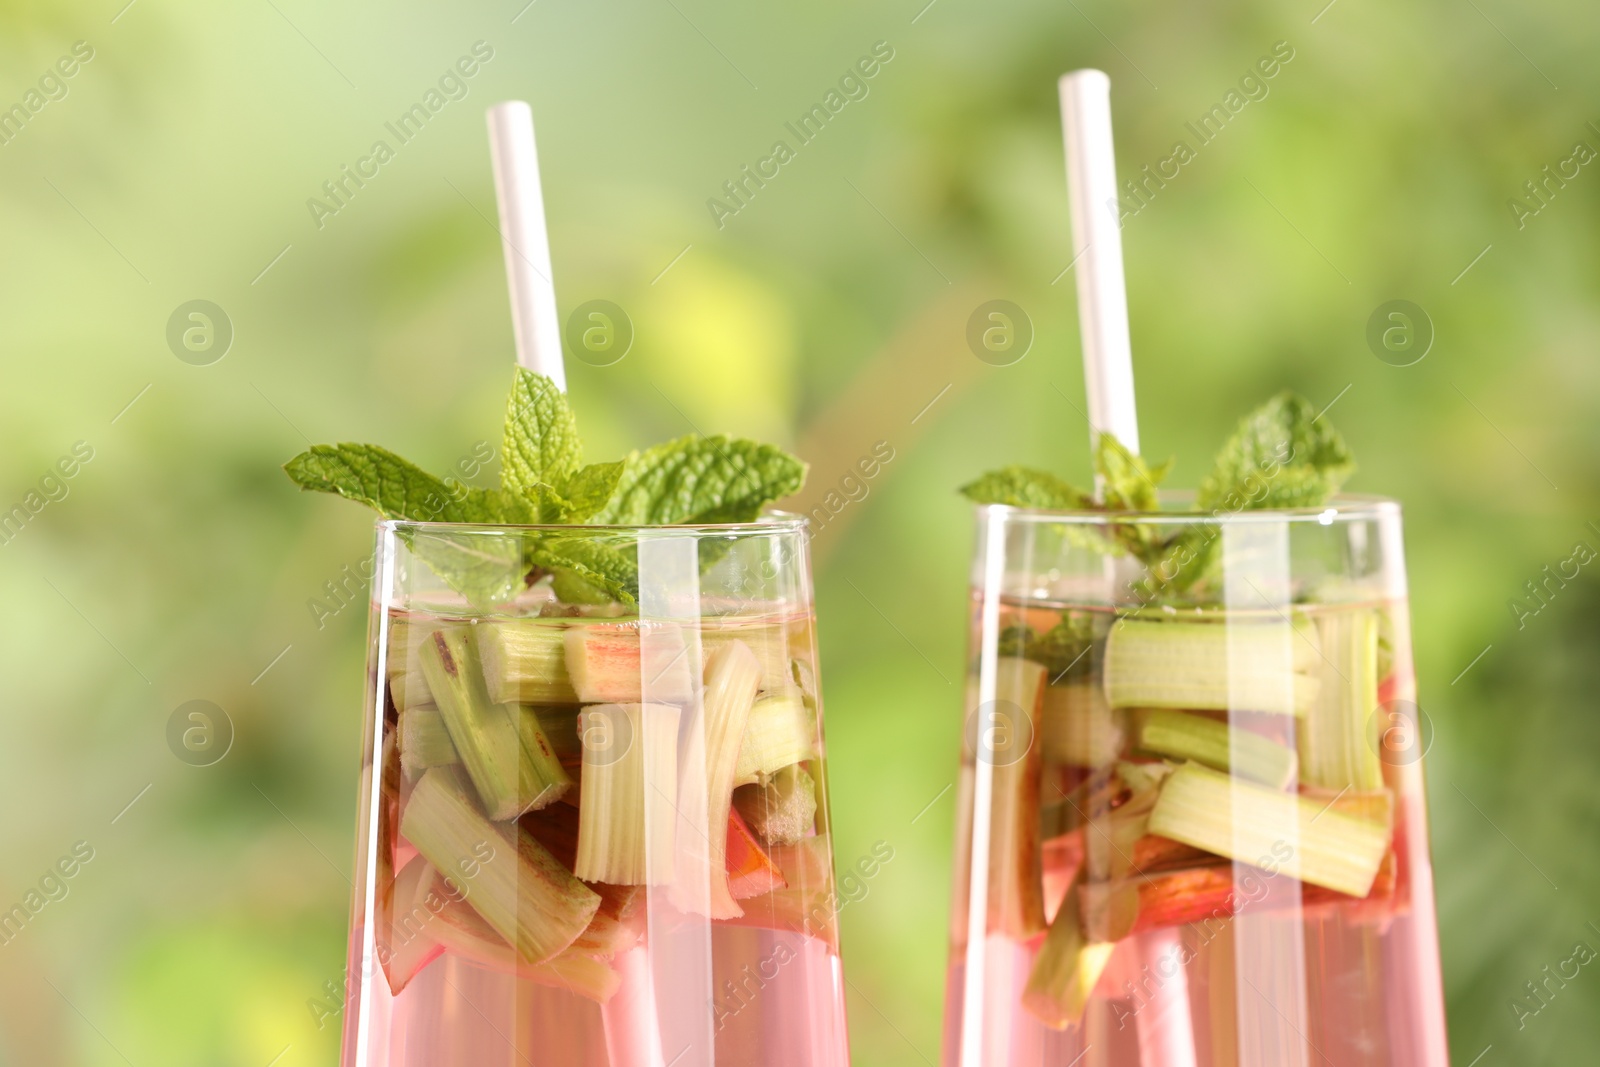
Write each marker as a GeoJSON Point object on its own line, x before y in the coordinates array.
{"type": "Point", "coordinates": [1024, 487]}
{"type": "Point", "coordinates": [583, 564]}
{"type": "Point", "coordinates": [1281, 456]}
{"type": "Point", "coordinates": [394, 487]}
{"type": "Point", "coordinates": [1129, 484]}
{"type": "Point", "coordinates": [399, 489]}
{"type": "Point", "coordinates": [697, 479]}
{"type": "Point", "coordinates": [540, 444]}
{"type": "Point", "coordinates": [588, 490]}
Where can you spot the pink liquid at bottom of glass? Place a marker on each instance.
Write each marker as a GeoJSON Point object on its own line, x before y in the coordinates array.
{"type": "Point", "coordinates": [1274, 989]}
{"type": "Point", "coordinates": [777, 1001]}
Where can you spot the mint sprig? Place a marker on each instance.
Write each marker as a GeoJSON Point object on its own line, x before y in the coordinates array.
{"type": "Point", "coordinates": [692, 480]}
{"type": "Point", "coordinates": [1281, 455]}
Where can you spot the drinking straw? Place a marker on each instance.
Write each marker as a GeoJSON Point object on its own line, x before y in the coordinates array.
{"type": "Point", "coordinates": [1166, 1034]}
{"type": "Point", "coordinates": [1102, 295]}
{"type": "Point", "coordinates": [630, 1018]}
{"type": "Point", "coordinates": [526, 241]}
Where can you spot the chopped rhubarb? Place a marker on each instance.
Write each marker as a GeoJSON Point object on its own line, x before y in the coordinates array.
{"type": "Point", "coordinates": [769, 643]}
{"type": "Point", "coordinates": [464, 933]}
{"type": "Point", "coordinates": [627, 813]}
{"type": "Point", "coordinates": [1066, 969]}
{"type": "Point", "coordinates": [612, 663]}
{"type": "Point", "coordinates": [783, 810]}
{"type": "Point", "coordinates": [405, 942]}
{"type": "Point", "coordinates": [1338, 740]}
{"type": "Point", "coordinates": [512, 881]}
{"type": "Point", "coordinates": [1265, 666]}
{"type": "Point", "coordinates": [525, 661]}
{"type": "Point", "coordinates": [782, 730]}
{"type": "Point", "coordinates": [805, 902]}
{"type": "Point", "coordinates": [1185, 736]}
{"type": "Point", "coordinates": [751, 871]}
{"type": "Point", "coordinates": [505, 752]}
{"type": "Point", "coordinates": [1078, 727]}
{"type": "Point", "coordinates": [1217, 890]}
{"type": "Point", "coordinates": [424, 741]}
{"type": "Point", "coordinates": [705, 788]}
{"type": "Point", "coordinates": [1243, 822]}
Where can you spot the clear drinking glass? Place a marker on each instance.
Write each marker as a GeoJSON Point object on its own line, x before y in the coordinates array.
{"type": "Point", "coordinates": [1191, 829]}
{"type": "Point", "coordinates": [593, 832]}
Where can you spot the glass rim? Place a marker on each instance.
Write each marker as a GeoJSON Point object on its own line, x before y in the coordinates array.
{"type": "Point", "coordinates": [1345, 507]}
{"type": "Point", "coordinates": [770, 522]}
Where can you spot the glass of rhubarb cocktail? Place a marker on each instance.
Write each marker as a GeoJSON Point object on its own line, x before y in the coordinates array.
{"type": "Point", "coordinates": [1191, 825]}
{"type": "Point", "coordinates": [594, 828]}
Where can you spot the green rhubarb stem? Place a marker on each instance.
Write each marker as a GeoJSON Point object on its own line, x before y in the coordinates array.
{"type": "Point", "coordinates": [518, 888]}
{"type": "Point", "coordinates": [1339, 741]}
{"type": "Point", "coordinates": [506, 754]}
{"type": "Point", "coordinates": [525, 661]}
{"type": "Point", "coordinates": [781, 731]}
{"type": "Point", "coordinates": [1268, 666]}
{"type": "Point", "coordinates": [627, 819]}
{"type": "Point", "coordinates": [464, 932]}
{"type": "Point", "coordinates": [732, 676]}
{"type": "Point", "coordinates": [1066, 969]}
{"type": "Point", "coordinates": [1245, 753]}
{"type": "Point", "coordinates": [1246, 823]}
{"type": "Point", "coordinates": [424, 741]}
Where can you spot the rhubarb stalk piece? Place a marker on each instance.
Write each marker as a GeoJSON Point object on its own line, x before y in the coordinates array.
{"type": "Point", "coordinates": [783, 810]}
{"type": "Point", "coordinates": [804, 904]}
{"type": "Point", "coordinates": [1214, 891]}
{"type": "Point", "coordinates": [705, 792]}
{"type": "Point", "coordinates": [1244, 822]}
{"type": "Point", "coordinates": [424, 741]}
{"type": "Point", "coordinates": [769, 643]}
{"type": "Point", "coordinates": [465, 933]}
{"type": "Point", "coordinates": [405, 943]}
{"type": "Point", "coordinates": [525, 661]}
{"type": "Point", "coordinates": [407, 686]}
{"type": "Point", "coordinates": [1213, 666]}
{"type": "Point", "coordinates": [610, 664]}
{"type": "Point", "coordinates": [1339, 741]}
{"type": "Point", "coordinates": [504, 750]}
{"type": "Point", "coordinates": [782, 730]}
{"type": "Point", "coordinates": [1066, 969]}
{"type": "Point", "coordinates": [1011, 746]}
{"type": "Point", "coordinates": [1185, 736]}
{"type": "Point", "coordinates": [1078, 727]}
{"type": "Point", "coordinates": [519, 889]}
{"type": "Point", "coordinates": [627, 819]}
{"type": "Point", "coordinates": [751, 871]}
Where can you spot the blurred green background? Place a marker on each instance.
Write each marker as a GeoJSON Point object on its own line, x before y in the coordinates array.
{"type": "Point", "coordinates": [829, 313]}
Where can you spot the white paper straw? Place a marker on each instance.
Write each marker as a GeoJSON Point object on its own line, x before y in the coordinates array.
{"type": "Point", "coordinates": [1102, 294]}
{"type": "Point", "coordinates": [525, 239]}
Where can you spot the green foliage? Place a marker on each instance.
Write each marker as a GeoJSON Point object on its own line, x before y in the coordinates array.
{"type": "Point", "coordinates": [691, 480]}
{"type": "Point", "coordinates": [701, 480]}
{"type": "Point", "coordinates": [1130, 484]}
{"type": "Point", "coordinates": [1280, 456]}
{"type": "Point", "coordinates": [1025, 487]}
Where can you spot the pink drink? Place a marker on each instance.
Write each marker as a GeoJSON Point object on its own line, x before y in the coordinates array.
{"type": "Point", "coordinates": [1206, 839]}
{"type": "Point", "coordinates": [539, 883]}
